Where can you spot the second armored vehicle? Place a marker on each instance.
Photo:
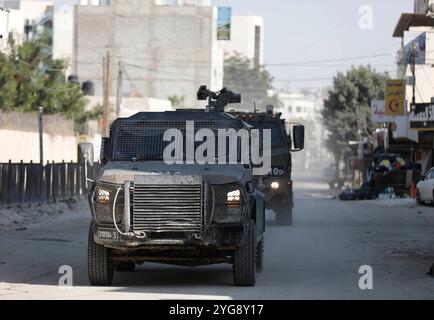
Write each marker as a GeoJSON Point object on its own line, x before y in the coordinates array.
{"type": "Point", "coordinates": [278, 184]}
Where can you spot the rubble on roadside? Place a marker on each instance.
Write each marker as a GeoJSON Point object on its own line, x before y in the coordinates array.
{"type": "Point", "coordinates": [22, 217]}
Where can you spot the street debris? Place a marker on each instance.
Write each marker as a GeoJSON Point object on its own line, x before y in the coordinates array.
{"type": "Point", "coordinates": [22, 218]}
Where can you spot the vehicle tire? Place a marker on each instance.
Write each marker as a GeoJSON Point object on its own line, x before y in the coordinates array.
{"type": "Point", "coordinates": [431, 271]}
{"type": "Point", "coordinates": [125, 267]}
{"type": "Point", "coordinates": [284, 213]}
{"type": "Point", "coordinates": [418, 198]}
{"type": "Point", "coordinates": [260, 256]}
{"type": "Point", "coordinates": [100, 268]}
{"type": "Point", "coordinates": [245, 259]}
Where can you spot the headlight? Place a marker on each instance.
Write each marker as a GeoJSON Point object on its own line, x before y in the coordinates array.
{"type": "Point", "coordinates": [102, 196]}
{"type": "Point", "coordinates": [275, 185]}
{"type": "Point", "coordinates": [233, 198]}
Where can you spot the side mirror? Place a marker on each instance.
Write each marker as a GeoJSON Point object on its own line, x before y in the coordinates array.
{"type": "Point", "coordinates": [85, 154]}
{"type": "Point", "coordinates": [250, 187]}
{"type": "Point", "coordinates": [298, 137]}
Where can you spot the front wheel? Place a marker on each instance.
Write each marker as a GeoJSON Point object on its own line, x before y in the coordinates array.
{"type": "Point", "coordinates": [99, 266]}
{"type": "Point", "coordinates": [245, 259]}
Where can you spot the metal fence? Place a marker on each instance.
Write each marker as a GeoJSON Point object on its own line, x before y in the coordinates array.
{"type": "Point", "coordinates": [32, 183]}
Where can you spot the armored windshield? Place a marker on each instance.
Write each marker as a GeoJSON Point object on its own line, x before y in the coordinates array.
{"type": "Point", "coordinates": [278, 134]}
{"type": "Point", "coordinates": [143, 140]}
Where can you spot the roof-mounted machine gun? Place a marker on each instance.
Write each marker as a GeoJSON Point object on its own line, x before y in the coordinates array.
{"type": "Point", "coordinates": [217, 101]}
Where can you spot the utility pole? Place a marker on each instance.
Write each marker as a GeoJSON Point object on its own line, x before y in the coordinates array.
{"type": "Point", "coordinates": [413, 70]}
{"type": "Point", "coordinates": [119, 91]}
{"type": "Point", "coordinates": [41, 135]}
{"type": "Point", "coordinates": [106, 94]}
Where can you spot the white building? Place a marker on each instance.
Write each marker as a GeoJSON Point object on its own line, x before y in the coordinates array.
{"type": "Point", "coordinates": [247, 38]}
{"type": "Point", "coordinates": [165, 50]}
{"type": "Point", "coordinates": [305, 107]}
{"type": "Point", "coordinates": [18, 12]}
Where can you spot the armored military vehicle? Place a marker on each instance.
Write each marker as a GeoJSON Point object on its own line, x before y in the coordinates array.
{"type": "Point", "coordinates": [147, 209]}
{"type": "Point", "coordinates": [278, 183]}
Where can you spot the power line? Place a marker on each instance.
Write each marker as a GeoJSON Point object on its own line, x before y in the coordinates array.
{"type": "Point", "coordinates": [328, 60]}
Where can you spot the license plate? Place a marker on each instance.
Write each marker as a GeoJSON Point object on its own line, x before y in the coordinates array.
{"type": "Point", "coordinates": [277, 171]}
{"type": "Point", "coordinates": [108, 234]}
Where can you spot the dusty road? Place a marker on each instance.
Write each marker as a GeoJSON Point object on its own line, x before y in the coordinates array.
{"type": "Point", "coordinates": [317, 258]}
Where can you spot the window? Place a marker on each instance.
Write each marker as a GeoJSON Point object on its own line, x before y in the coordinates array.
{"type": "Point", "coordinates": [299, 109]}
{"type": "Point", "coordinates": [257, 45]}
{"type": "Point", "coordinates": [290, 109]}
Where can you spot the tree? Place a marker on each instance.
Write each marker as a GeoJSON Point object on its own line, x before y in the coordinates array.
{"type": "Point", "coordinates": [347, 113]}
{"type": "Point", "coordinates": [252, 81]}
{"type": "Point", "coordinates": [176, 101]}
{"type": "Point", "coordinates": [30, 78]}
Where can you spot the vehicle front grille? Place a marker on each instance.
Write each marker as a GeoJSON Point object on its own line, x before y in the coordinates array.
{"type": "Point", "coordinates": [161, 207]}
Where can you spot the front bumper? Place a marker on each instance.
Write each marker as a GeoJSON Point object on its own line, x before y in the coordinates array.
{"type": "Point", "coordinates": [196, 214]}
{"type": "Point", "coordinates": [219, 237]}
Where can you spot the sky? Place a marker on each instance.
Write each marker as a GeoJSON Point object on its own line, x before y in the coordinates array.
{"type": "Point", "coordinates": [317, 30]}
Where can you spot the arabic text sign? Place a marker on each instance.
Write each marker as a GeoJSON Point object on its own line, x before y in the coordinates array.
{"type": "Point", "coordinates": [378, 108]}
{"type": "Point", "coordinates": [395, 97]}
{"type": "Point", "coordinates": [422, 116]}
{"type": "Point", "coordinates": [224, 23]}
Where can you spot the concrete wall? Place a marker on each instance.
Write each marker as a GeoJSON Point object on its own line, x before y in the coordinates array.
{"type": "Point", "coordinates": [166, 50]}
{"type": "Point", "coordinates": [19, 138]}
{"type": "Point", "coordinates": [19, 145]}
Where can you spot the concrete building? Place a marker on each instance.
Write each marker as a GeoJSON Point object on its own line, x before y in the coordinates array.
{"type": "Point", "coordinates": [165, 49]}
{"type": "Point", "coordinates": [247, 38]}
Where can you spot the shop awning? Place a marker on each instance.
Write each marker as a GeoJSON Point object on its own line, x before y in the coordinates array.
{"type": "Point", "coordinates": [408, 20]}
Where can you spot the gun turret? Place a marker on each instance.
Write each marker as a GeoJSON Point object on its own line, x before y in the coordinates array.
{"type": "Point", "coordinates": [217, 101]}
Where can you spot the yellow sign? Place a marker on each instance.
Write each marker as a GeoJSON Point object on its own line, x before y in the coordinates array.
{"type": "Point", "coordinates": [395, 97]}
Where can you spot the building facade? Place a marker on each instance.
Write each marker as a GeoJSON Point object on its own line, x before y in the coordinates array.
{"type": "Point", "coordinates": [24, 19]}
{"type": "Point", "coordinates": [164, 50]}
{"type": "Point", "coordinates": [416, 31]}
{"type": "Point", "coordinates": [247, 38]}
{"type": "Point", "coordinates": [306, 108]}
